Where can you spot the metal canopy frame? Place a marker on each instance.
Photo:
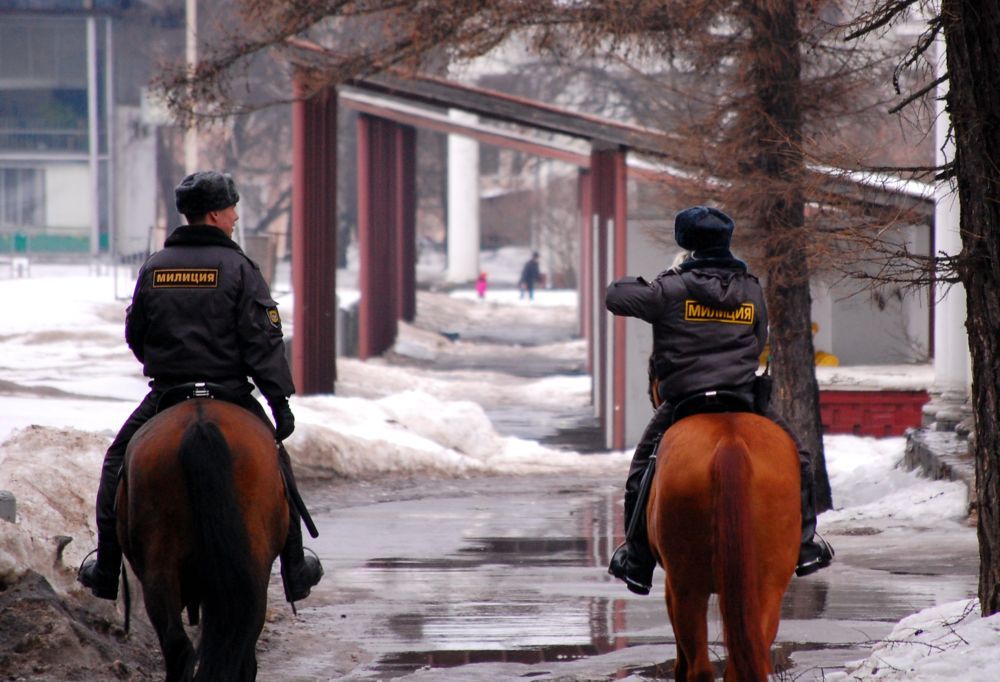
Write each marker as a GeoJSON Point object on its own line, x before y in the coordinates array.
{"type": "Point", "coordinates": [392, 107]}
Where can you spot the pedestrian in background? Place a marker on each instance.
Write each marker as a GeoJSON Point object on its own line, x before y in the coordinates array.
{"type": "Point", "coordinates": [481, 285]}
{"type": "Point", "coordinates": [530, 275]}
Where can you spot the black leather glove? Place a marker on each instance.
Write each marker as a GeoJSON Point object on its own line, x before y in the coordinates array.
{"type": "Point", "coordinates": [284, 420]}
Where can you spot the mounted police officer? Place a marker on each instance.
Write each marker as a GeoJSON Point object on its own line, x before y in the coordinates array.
{"type": "Point", "coordinates": [709, 328]}
{"type": "Point", "coordinates": [202, 312]}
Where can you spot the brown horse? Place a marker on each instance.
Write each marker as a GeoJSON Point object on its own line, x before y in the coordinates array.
{"type": "Point", "coordinates": [724, 517]}
{"type": "Point", "coordinates": [201, 517]}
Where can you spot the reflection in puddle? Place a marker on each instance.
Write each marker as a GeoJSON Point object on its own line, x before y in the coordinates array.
{"type": "Point", "coordinates": [498, 550]}
{"type": "Point", "coordinates": [404, 663]}
{"type": "Point", "coordinates": [513, 598]}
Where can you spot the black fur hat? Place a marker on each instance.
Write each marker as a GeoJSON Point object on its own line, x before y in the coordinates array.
{"type": "Point", "coordinates": [700, 227]}
{"type": "Point", "coordinates": [205, 191]}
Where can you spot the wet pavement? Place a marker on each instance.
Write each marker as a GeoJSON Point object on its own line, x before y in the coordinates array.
{"type": "Point", "coordinates": [504, 578]}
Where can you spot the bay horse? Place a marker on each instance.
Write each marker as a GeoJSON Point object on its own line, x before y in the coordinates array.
{"type": "Point", "coordinates": [202, 514]}
{"type": "Point", "coordinates": [724, 517]}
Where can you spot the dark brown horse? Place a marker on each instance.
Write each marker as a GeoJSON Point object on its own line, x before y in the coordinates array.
{"type": "Point", "coordinates": [724, 517]}
{"type": "Point", "coordinates": [201, 517]}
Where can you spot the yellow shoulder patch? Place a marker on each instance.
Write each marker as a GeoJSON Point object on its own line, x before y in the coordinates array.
{"type": "Point", "coordinates": [699, 312]}
{"type": "Point", "coordinates": [273, 317]}
{"type": "Point", "coordinates": [185, 278]}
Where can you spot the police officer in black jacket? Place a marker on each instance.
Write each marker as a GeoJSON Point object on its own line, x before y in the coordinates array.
{"type": "Point", "coordinates": [202, 311]}
{"type": "Point", "coordinates": [709, 328]}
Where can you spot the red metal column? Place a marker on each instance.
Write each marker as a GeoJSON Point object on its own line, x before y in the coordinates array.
{"type": "Point", "coordinates": [406, 215]}
{"type": "Point", "coordinates": [314, 241]}
{"type": "Point", "coordinates": [585, 282]}
{"type": "Point", "coordinates": [608, 181]}
{"type": "Point", "coordinates": [600, 197]}
{"type": "Point", "coordinates": [377, 279]}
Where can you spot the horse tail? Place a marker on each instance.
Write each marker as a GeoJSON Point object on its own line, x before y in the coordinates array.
{"type": "Point", "coordinates": [735, 561]}
{"type": "Point", "coordinates": [222, 555]}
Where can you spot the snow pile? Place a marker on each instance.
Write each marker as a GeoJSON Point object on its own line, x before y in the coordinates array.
{"type": "Point", "coordinates": [414, 432]}
{"type": "Point", "coordinates": [871, 489]}
{"type": "Point", "coordinates": [54, 475]}
{"type": "Point", "coordinates": [946, 642]}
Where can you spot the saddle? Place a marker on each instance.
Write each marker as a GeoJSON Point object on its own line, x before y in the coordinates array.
{"type": "Point", "coordinates": [712, 402]}
{"type": "Point", "coordinates": [204, 389]}
{"type": "Point", "coordinates": [199, 389]}
{"type": "Point", "coordinates": [699, 403]}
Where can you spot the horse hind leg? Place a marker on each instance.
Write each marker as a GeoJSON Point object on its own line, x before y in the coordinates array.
{"type": "Point", "coordinates": [178, 653]}
{"type": "Point", "coordinates": [689, 617]}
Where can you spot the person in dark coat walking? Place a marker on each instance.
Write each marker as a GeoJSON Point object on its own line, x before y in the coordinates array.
{"type": "Point", "coordinates": [709, 328]}
{"type": "Point", "coordinates": [202, 312]}
{"type": "Point", "coordinates": [530, 275]}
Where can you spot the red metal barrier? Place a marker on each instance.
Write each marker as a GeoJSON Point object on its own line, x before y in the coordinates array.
{"type": "Point", "coordinates": [871, 413]}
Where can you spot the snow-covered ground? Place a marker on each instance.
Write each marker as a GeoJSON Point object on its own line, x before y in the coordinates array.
{"type": "Point", "coordinates": [67, 382]}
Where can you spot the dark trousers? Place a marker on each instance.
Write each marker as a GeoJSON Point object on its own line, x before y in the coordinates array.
{"type": "Point", "coordinates": [109, 551]}
{"type": "Point", "coordinates": [651, 438]}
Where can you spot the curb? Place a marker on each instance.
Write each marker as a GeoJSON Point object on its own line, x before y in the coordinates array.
{"type": "Point", "coordinates": [941, 455]}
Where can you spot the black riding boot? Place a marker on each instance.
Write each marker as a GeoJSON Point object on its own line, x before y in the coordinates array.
{"type": "Point", "coordinates": [299, 573]}
{"type": "Point", "coordinates": [632, 561]}
{"type": "Point", "coordinates": [100, 575]}
{"type": "Point", "coordinates": [814, 552]}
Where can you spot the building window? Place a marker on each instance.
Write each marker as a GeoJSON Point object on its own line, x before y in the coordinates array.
{"type": "Point", "coordinates": [22, 197]}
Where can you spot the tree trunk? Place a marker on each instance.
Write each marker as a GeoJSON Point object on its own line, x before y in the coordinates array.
{"type": "Point", "coordinates": [777, 208]}
{"type": "Point", "coordinates": [972, 32]}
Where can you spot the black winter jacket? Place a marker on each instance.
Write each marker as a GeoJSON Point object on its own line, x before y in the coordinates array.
{"type": "Point", "coordinates": [709, 325]}
{"type": "Point", "coordinates": [202, 311]}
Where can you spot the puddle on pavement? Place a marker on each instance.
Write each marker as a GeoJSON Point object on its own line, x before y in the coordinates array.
{"type": "Point", "coordinates": [557, 619]}
{"type": "Point", "coordinates": [495, 551]}
{"type": "Point", "coordinates": [399, 665]}
{"type": "Point", "coordinates": [496, 574]}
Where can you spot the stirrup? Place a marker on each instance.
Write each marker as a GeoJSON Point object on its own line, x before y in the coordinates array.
{"type": "Point", "coordinates": [823, 558]}
{"type": "Point", "coordinates": [88, 575]}
{"type": "Point", "coordinates": [623, 566]}
{"type": "Point", "coordinates": [299, 585]}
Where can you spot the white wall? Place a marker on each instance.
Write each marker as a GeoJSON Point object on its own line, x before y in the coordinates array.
{"type": "Point", "coordinates": [135, 180]}
{"type": "Point", "coordinates": [648, 258]}
{"type": "Point", "coordinates": [890, 325]}
{"type": "Point", "coordinates": [67, 195]}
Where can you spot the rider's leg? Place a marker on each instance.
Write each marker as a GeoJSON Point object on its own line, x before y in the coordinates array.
{"type": "Point", "coordinates": [814, 552]}
{"type": "Point", "coordinates": [100, 575]}
{"type": "Point", "coordinates": [632, 561]}
{"type": "Point", "coordinates": [299, 572]}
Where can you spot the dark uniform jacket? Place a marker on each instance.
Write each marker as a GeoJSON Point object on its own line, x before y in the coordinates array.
{"type": "Point", "coordinates": [709, 325]}
{"type": "Point", "coordinates": [202, 311]}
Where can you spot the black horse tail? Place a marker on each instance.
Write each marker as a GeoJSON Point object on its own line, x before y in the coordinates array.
{"type": "Point", "coordinates": [229, 611]}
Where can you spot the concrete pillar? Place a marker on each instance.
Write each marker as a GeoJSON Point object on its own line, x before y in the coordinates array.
{"type": "Point", "coordinates": [93, 149]}
{"type": "Point", "coordinates": [950, 391]}
{"type": "Point", "coordinates": [463, 205]}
